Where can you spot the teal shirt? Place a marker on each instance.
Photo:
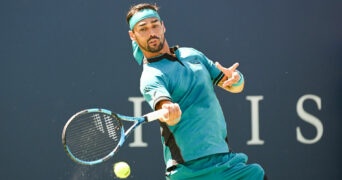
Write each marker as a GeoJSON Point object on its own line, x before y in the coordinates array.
{"type": "Point", "coordinates": [188, 81]}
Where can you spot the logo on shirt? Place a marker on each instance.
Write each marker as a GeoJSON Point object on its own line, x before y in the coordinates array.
{"type": "Point", "coordinates": [194, 61]}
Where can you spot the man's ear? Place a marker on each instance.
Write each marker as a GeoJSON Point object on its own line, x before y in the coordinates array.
{"type": "Point", "coordinates": [131, 35]}
{"type": "Point", "coordinates": [163, 26]}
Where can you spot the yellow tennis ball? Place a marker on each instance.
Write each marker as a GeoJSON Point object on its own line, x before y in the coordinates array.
{"type": "Point", "coordinates": [121, 170]}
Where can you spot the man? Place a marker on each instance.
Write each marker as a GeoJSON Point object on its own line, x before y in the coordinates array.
{"type": "Point", "coordinates": [181, 80]}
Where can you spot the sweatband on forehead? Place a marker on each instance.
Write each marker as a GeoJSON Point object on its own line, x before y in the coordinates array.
{"type": "Point", "coordinates": [143, 14]}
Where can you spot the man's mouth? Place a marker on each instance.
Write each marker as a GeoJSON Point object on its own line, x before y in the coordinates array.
{"type": "Point", "coordinates": [153, 40]}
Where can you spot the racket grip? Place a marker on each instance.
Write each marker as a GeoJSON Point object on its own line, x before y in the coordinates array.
{"type": "Point", "coordinates": [156, 114]}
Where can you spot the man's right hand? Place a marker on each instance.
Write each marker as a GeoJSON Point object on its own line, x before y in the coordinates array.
{"type": "Point", "coordinates": [174, 115]}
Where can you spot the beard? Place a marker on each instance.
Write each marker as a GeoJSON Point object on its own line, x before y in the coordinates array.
{"type": "Point", "coordinates": [153, 49]}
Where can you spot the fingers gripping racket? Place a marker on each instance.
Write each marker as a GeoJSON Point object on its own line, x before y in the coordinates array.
{"type": "Point", "coordinates": [92, 136]}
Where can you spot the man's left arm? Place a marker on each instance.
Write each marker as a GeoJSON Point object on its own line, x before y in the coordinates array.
{"type": "Point", "coordinates": [233, 80]}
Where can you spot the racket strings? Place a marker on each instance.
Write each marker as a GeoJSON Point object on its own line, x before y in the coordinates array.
{"type": "Point", "coordinates": [93, 136]}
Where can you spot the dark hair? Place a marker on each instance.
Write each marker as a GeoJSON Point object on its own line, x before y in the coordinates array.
{"type": "Point", "coordinates": [136, 8]}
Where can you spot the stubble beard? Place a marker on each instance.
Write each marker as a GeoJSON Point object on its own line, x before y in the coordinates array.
{"type": "Point", "coordinates": [154, 49]}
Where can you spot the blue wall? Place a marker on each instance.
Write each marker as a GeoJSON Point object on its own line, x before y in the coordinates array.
{"type": "Point", "coordinates": [58, 57]}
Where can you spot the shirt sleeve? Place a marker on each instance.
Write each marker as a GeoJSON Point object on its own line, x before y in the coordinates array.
{"type": "Point", "coordinates": [215, 74]}
{"type": "Point", "coordinates": [154, 89]}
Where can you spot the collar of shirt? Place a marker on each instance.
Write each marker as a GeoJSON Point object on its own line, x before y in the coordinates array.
{"type": "Point", "coordinates": [165, 56]}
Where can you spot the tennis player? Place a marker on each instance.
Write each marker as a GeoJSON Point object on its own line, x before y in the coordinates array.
{"type": "Point", "coordinates": [182, 80]}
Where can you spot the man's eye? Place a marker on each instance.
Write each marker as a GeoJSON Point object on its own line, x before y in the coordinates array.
{"type": "Point", "coordinates": [143, 29]}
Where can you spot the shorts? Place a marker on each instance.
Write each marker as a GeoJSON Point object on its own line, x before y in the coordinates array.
{"type": "Point", "coordinates": [230, 166]}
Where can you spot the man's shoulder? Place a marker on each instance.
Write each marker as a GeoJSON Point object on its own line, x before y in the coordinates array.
{"type": "Point", "coordinates": [184, 52]}
{"type": "Point", "coordinates": [187, 50]}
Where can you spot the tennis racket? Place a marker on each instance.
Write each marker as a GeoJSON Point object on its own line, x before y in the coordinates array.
{"type": "Point", "coordinates": [92, 136]}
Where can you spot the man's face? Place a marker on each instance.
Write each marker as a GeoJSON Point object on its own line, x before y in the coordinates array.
{"type": "Point", "coordinates": [149, 34]}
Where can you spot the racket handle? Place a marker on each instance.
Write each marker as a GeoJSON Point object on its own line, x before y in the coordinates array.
{"type": "Point", "coordinates": [156, 114]}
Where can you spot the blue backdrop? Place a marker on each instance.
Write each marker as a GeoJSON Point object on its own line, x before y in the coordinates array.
{"type": "Point", "coordinates": [61, 56]}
